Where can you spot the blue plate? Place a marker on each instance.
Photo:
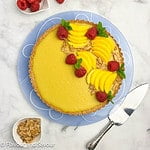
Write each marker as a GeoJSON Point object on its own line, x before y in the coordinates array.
{"type": "Point", "coordinates": [27, 88]}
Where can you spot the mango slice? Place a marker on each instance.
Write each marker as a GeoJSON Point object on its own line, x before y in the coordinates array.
{"type": "Point", "coordinates": [101, 55]}
{"type": "Point", "coordinates": [109, 82]}
{"type": "Point", "coordinates": [88, 78]}
{"type": "Point", "coordinates": [94, 76]}
{"type": "Point", "coordinates": [102, 80]}
{"type": "Point", "coordinates": [80, 27]}
{"type": "Point", "coordinates": [77, 40]}
{"type": "Point", "coordinates": [102, 47]}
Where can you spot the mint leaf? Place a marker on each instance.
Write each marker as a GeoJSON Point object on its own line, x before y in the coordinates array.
{"type": "Point", "coordinates": [101, 30]}
{"type": "Point", "coordinates": [63, 22]}
{"type": "Point", "coordinates": [121, 74]}
{"type": "Point", "coordinates": [68, 27]}
{"type": "Point", "coordinates": [99, 25]}
{"type": "Point", "coordinates": [110, 97]}
{"type": "Point", "coordinates": [66, 24]}
{"type": "Point", "coordinates": [122, 67]}
{"type": "Point", "coordinates": [78, 63]}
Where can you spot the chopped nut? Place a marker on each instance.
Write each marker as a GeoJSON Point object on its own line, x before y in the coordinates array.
{"type": "Point", "coordinates": [29, 129]}
{"type": "Point", "coordinates": [92, 89]}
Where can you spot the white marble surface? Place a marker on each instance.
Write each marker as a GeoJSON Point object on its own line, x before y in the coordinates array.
{"type": "Point", "coordinates": [132, 17]}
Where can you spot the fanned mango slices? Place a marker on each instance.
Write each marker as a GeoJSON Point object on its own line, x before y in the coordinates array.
{"type": "Point", "coordinates": [102, 47]}
{"type": "Point", "coordinates": [76, 36]}
{"type": "Point", "coordinates": [88, 60]}
{"type": "Point", "coordinates": [109, 42]}
{"type": "Point", "coordinates": [101, 79]}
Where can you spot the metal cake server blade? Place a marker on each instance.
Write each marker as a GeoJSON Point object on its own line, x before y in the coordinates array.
{"type": "Point", "coordinates": [120, 113]}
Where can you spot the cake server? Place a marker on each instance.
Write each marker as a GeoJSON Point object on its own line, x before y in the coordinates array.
{"type": "Point", "coordinates": [120, 113]}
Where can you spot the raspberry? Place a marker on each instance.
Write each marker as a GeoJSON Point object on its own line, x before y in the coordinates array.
{"type": "Point", "coordinates": [91, 33]}
{"type": "Point", "coordinates": [62, 33]}
{"type": "Point", "coordinates": [71, 59]}
{"type": "Point", "coordinates": [113, 66]}
{"type": "Point", "coordinates": [31, 1]}
{"type": "Point", "coordinates": [101, 96]}
{"type": "Point", "coordinates": [28, 4]}
{"type": "Point", "coordinates": [80, 72]}
{"type": "Point", "coordinates": [35, 6]}
{"type": "Point", "coordinates": [60, 1]}
{"type": "Point", "coordinates": [22, 4]}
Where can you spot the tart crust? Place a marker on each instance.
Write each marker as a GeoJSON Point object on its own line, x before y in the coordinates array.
{"type": "Point", "coordinates": [116, 85]}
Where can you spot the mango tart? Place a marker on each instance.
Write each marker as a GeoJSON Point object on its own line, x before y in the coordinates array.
{"type": "Point", "coordinates": [76, 67]}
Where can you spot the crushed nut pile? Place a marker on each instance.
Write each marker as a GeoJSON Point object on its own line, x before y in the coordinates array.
{"type": "Point", "coordinates": [29, 129]}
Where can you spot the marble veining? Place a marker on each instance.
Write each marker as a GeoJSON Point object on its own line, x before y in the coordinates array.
{"type": "Point", "coordinates": [132, 17]}
{"type": "Point", "coordinates": [141, 1]}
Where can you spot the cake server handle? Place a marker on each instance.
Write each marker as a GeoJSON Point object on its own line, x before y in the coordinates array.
{"type": "Point", "coordinates": [93, 143]}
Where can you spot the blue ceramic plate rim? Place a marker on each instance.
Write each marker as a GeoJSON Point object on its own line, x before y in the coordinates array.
{"type": "Point", "coordinates": [33, 99]}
